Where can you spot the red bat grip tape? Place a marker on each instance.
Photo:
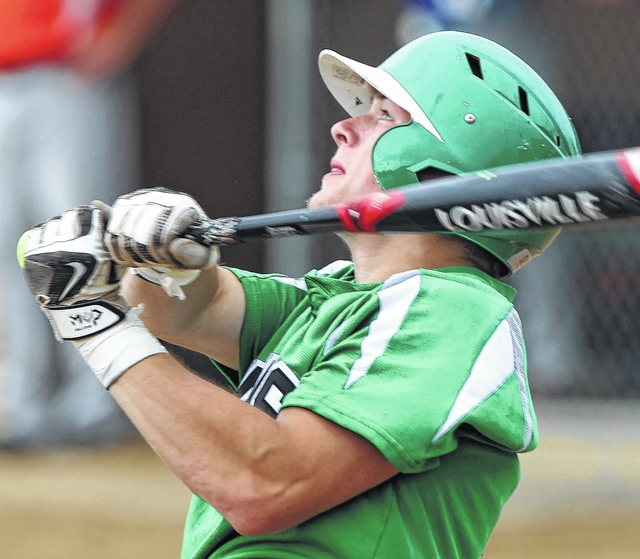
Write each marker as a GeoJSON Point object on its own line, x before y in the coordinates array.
{"type": "Point", "coordinates": [628, 161]}
{"type": "Point", "coordinates": [363, 215]}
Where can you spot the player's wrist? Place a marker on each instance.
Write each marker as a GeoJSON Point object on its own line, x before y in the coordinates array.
{"type": "Point", "coordinates": [114, 351]}
{"type": "Point", "coordinates": [171, 281]}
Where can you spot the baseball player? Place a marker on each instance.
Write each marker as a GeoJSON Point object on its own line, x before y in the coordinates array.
{"type": "Point", "coordinates": [380, 403]}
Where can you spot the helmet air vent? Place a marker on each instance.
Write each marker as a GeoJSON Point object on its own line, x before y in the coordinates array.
{"type": "Point", "coordinates": [474, 65]}
{"type": "Point", "coordinates": [524, 101]}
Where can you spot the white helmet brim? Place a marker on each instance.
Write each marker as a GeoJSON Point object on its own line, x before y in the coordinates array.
{"type": "Point", "coordinates": [353, 85]}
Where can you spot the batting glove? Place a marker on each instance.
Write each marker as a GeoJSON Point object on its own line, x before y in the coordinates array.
{"type": "Point", "coordinates": [145, 228]}
{"type": "Point", "coordinates": [70, 272]}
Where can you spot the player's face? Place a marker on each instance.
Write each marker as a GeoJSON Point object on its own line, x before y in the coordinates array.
{"type": "Point", "coordinates": [351, 175]}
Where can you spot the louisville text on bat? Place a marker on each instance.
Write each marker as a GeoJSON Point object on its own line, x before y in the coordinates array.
{"type": "Point", "coordinates": [539, 211]}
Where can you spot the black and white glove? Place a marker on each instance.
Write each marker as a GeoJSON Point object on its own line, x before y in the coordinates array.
{"type": "Point", "coordinates": [72, 276]}
{"type": "Point", "coordinates": [76, 283]}
{"type": "Point", "coordinates": [144, 231]}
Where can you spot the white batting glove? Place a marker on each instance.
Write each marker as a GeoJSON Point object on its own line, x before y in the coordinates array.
{"type": "Point", "coordinates": [70, 272]}
{"type": "Point", "coordinates": [144, 230]}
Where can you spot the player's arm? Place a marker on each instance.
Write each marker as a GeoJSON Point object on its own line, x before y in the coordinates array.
{"type": "Point", "coordinates": [265, 475]}
{"type": "Point", "coordinates": [208, 320]}
{"type": "Point", "coordinates": [187, 299]}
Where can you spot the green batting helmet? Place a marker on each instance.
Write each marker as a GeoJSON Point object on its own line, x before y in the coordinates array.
{"type": "Point", "coordinates": [474, 106]}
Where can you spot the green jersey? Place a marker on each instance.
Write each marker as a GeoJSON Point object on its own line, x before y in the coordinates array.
{"type": "Point", "coordinates": [429, 366]}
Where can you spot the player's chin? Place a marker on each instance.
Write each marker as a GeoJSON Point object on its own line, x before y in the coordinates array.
{"type": "Point", "coordinates": [317, 200]}
{"type": "Point", "coordinates": [330, 193]}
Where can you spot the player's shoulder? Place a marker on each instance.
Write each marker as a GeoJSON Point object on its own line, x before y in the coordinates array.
{"type": "Point", "coordinates": [339, 270]}
{"type": "Point", "coordinates": [465, 292]}
{"type": "Point", "coordinates": [466, 279]}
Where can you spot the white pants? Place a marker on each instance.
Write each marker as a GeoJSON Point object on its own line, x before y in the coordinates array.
{"type": "Point", "coordinates": [62, 143]}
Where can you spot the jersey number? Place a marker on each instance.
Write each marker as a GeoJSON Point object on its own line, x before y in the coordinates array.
{"type": "Point", "coordinates": [266, 383]}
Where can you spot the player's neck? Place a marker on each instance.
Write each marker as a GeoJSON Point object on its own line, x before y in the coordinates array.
{"type": "Point", "coordinates": [378, 257]}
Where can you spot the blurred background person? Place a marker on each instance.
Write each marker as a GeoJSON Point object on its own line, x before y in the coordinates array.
{"type": "Point", "coordinates": [68, 134]}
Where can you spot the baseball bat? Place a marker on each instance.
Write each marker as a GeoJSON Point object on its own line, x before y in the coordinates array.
{"type": "Point", "coordinates": [594, 188]}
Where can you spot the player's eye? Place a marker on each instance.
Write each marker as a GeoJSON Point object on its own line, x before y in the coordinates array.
{"type": "Point", "coordinates": [385, 115]}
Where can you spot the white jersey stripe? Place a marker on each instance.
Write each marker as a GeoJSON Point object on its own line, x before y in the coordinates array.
{"type": "Point", "coordinates": [519, 365]}
{"type": "Point", "coordinates": [326, 271]}
{"type": "Point", "coordinates": [335, 336]}
{"type": "Point", "coordinates": [300, 284]}
{"type": "Point", "coordinates": [495, 363]}
{"type": "Point", "coordinates": [395, 302]}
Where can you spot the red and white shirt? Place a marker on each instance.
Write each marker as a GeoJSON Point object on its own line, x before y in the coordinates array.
{"type": "Point", "coordinates": [35, 31]}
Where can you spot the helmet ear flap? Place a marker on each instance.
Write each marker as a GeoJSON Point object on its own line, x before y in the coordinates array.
{"type": "Point", "coordinates": [402, 153]}
{"type": "Point", "coordinates": [407, 154]}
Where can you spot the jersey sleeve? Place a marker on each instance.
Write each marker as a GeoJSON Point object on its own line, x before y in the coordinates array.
{"type": "Point", "coordinates": [438, 359]}
{"type": "Point", "coordinates": [270, 300]}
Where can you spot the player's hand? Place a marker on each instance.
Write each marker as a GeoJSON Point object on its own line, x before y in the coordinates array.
{"type": "Point", "coordinates": [144, 230]}
{"type": "Point", "coordinates": [69, 271]}
{"type": "Point", "coordinates": [75, 282]}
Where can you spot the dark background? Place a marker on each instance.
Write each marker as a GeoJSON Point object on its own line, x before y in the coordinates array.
{"type": "Point", "coordinates": [202, 95]}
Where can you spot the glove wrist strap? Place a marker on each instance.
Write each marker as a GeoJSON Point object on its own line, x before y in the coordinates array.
{"type": "Point", "coordinates": [81, 320]}
{"type": "Point", "coordinates": [112, 352]}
